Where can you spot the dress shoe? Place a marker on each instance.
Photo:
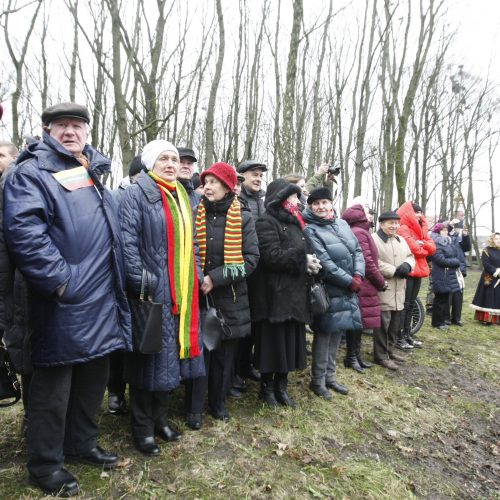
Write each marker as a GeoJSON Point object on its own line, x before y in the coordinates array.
{"type": "Point", "coordinates": [240, 384]}
{"type": "Point", "coordinates": [321, 391]}
{"type": "Point", "coordinates": [168, 433]}
{"type": "Point", "coordinates": [397, 357]}
{"type": "Point", "coordinates": [457, 323]}
{"type": "Point", "coordinates": [234, 393]}
{"type": "Point", "coordinates": [116, 404]}
{"type": "Point", "coordinates": [96, 456]}
{"type": "Point", "coordinates": [194, 421]}
{"type": "Point", "coordinates": [60, 483]}
{"type": "Point", "coordinates": [147, 446]}
{"type": "Point", "coordinates": [253, 374]}
{"type": "Point", "coordinates": [341, 389]}
{"type": "Point", "coordinates": [388, 363]}
{"type": "Point", "coordinates": [220, 415]}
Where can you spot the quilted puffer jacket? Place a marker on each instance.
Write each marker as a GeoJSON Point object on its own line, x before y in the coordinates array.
{"type": "Point", "coordinates": [369, 302]}
{"type": "Point", "coordinates": [337, 248]}
{"type": "Point", "coordinates": [145, 243]}
{"type": "Point", "coordinates": [58, 236]}
{"type": "Point", "coordinates": [445, 264]}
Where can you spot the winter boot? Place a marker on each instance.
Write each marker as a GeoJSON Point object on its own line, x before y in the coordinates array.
{"type": "Point", "coordinates": [267, 389]}
{"type": "Point", "coordinates": [401, 343]}
{"type": "Point", "coordinates": [412, 340]}
{"type": "Point", "coordinates": [280, 385]}
{"type": "Point", "coordinates": [362, 363]}
{"type": "Point", "coordinates": [351, 360]}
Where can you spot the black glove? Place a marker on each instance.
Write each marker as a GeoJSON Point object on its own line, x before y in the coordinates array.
{"type": "Point", "coordinates": [403, 270]}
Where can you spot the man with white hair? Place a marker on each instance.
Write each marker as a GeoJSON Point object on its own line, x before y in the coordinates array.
{"type": "Point", "coordinates": [61, 228]}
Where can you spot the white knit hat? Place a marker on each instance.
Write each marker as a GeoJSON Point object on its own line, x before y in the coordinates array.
{"type": "Point", "coordinates": [154, 149]}
{"type": "Point", "coordinates": [359, 200]}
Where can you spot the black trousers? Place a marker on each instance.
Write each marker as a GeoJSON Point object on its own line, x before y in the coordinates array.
{"type": "Point", "coordinates": [440, 308]}
{"type": "Point", "coordinates": [217, 382]}
{"type": "Point", "coordinates": [116, 384]}
{"type": "Point", "coordinates": [62, 406]}
{"type": "Point", "coordinates": [244, 355]}
{"type": "Point", "coordinates": [456, 302]}
{"type": "Point", "coordinates": [148, 409]}
{"type": "Point", "coordinates": [412, 289]}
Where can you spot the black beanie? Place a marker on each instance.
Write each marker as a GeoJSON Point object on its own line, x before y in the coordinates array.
{"type": "Point", "coordinates": [416, 207]}
{"type": "Point", "coordinates": [135, 166]}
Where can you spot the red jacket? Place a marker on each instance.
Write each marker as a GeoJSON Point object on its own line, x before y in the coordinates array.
{"type": "Point", "coordinates": [413, 231]}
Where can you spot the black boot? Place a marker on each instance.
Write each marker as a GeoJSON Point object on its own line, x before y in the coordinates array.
{"type": "Point", "coordinates": [351, 360]}
{"type": "Point", "coordinates": [362, 363]}
{"type": "Point", "coordinates": [280, 385]}
{"type": "Point", "coordinates": [412, 340]}
{"type": "Point", "coordinates": [267, 389]}
{"type": "Point", "coordinates": [401, 343]}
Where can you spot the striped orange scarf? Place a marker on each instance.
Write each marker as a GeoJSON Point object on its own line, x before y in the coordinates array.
{"type": "Point", "coordinates": [233, 256]}
{"type": "Point", "coordinates": [181, 265]}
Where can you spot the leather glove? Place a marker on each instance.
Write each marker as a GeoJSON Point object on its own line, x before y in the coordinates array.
{"type": "Point", "coordinates": [355, 285]}
{"type": "Point", "coordinates": [402, 270]}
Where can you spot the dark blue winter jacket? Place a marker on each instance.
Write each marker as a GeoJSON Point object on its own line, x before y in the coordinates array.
{"type": "Point", "coordinates": [145, 243]}
{"type": "Point", "coordinates": [462, 244]}
{"type": "Point", "coordinates": [445, 264]}
{"type": "Point", "coordinates": [341, 257]}
{"type": "Point", "coordinates": [61, 237]}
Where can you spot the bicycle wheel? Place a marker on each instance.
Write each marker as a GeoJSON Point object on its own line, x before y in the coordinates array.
{"type": "Point", "coordinates": [417, 316]}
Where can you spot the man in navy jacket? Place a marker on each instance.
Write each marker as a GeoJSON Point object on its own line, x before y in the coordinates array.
{"type": "Point", "coordinates": [61, 228]}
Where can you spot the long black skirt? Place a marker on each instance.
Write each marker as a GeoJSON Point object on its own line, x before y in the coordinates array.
{"type": "Point", "coordinates": [280, 347]}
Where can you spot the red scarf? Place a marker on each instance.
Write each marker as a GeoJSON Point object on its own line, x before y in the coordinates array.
{"type": "Point", "coordinates": [294, 210]}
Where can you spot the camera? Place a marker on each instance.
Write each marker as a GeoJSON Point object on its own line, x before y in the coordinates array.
{"type": "Point", "coordinates": [333, 170]}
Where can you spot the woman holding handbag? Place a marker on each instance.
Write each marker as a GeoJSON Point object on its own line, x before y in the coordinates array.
{"type": "Point", "coordinates": [229, 253]}
{"type": "Point", "coordinates": [158, 239]}
{"type": "Point", "coordinates": [343, 269]}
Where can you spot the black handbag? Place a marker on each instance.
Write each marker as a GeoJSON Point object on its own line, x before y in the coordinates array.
{"type": "Point", "coordinates": [214, 327]}
{"type": "Point", "coordinates": [147, 319]}
{"type": "Point", "coordinates": [10, 389]}
{"type": "Point", "coordinates": [320, 302]}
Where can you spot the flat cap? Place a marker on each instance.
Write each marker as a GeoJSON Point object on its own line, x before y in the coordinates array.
{"type": "Point", "coordinates": [389, 215]}
{"type": "Point", "coordinates": [251, 165]}
{"type": "Point", "coordinates": [187, 153]}
{"type": "Point", "coordinates": [65, 110]}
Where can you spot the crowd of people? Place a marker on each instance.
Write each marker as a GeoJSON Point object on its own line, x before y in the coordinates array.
{"type": "Point", "coordinates": [74, 254]}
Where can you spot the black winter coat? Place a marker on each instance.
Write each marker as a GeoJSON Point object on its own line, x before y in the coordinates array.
{"type": "Point", "coordinates": [145, 243]}
{"type": "Point", "coordinates": [445, 263]}
{"type": "Point", "coordinates": [280, 286]}
{"type": "Point", "coordinates": [463, 244]}
{"type": "Point", "coordinates": [487, 296]}
{"type": "Point", "coordinates": [255, 202]}
{"type": "Point", "coordinates": [230, 294]}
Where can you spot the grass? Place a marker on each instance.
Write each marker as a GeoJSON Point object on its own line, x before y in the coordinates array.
{"type": "Point", "coordinates": [429, 430]}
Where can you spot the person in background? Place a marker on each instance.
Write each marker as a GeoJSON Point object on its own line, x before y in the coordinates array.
{"type": "Point", "coordinates": [61, 229]}
{"type": "Point", "coordinates": [300, 180]}
{"type": "Point", "coordinates": [358, 216]}
{"type": "Point", "coordinates": [395, 261]}
{"type": "Point", "coordinates": [229, 253]}
{"type": "Point", "coordinates": [325, 176]}
{"type": "Point", "coordinates": [486, 300]}
{"type": "Point", "coordinates": [280, 305]}
{"type": "Point", "coordinates": [185, 175]}
{"type": "Point", "coordinates": [461, 239]}
{"type": "Point", "coordinates": [158, 238]}
{"type": "Point", "coordinates": [252, 195]}
{"type": "Point", "coordinates": [343, 270]}
{"type": "Point", "coordinates": [415, 230]}
{"type": "Point", "coordinates": [117, 403]}
{"type": "Point", "coordinates": [446, 275]}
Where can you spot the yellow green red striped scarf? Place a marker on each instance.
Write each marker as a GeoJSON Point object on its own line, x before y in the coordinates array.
{"type": "Point", "coordinates": [181, 264]}
{"type": "Point", "coordinates": [233, 256]}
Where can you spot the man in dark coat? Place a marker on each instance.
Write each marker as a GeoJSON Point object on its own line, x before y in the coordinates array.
{"type": "Point", "coordinates": [61, 228]}
{"type": "Point", "coordinates": [185, 175]}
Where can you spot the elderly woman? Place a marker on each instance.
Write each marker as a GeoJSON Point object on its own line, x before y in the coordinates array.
{"type": "Point", "coordinates": [229, 254]}
{"type": "Point", "coordinates": [446, 275]}
{"type": "Point", "coordinates": [280, 298]}
{"type": "Point", "coordinates": [360, 221]}
{"type": "Point", "coordinates": [343, 269]}
{"type": "Point", "coordinates": [486, 301]}
{"type": "Point", "coordinates": [157, 225]}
